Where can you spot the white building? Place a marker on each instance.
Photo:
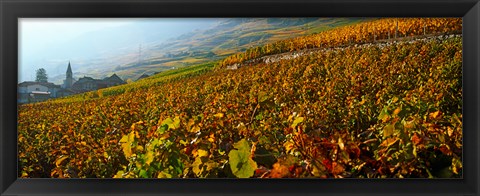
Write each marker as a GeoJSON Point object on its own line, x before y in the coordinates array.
{"type": "Point", "coordinates": [36, 91]}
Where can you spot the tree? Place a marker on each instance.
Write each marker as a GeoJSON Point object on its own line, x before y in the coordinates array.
{"type": "Point", "coordinates": [41, 75]}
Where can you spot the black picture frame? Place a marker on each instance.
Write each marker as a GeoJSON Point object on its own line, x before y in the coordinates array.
{"type": "Point", "coordinates": [11, 10]}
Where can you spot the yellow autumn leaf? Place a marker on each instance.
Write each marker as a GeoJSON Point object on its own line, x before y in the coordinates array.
{"type": "Point", "coordinates": [139, 148]}
{"type": "Point", "coordinates": [197, 166]}
{"type": "Point", "coordinates": [388, 142]}
{"type": "Point", "coordinates": [195, 129]}
{"type": "Point", "coordinates": [388, 130]}
{"type": "Point", "coordinates": [219, 115]}
{"type": "Point", "coordinates": [190, 123]}
{"type": "Point", "coordinates": [164, 175]}
{"type": "Point", "coordinates": [341, 144]}
{"type": "Point", "coordinates": [449, 131]}
{"type": "Point", "coordinates": [395, 99]}
{"type": "Point", "coordinates": [363, 101]}
{"type": "Point", "coordinates": [59, 161]}
{"type": "Point", "coordinates": [136, 134]}
{"type": "Point", "coordinates": [288, 146]}
{"type": "Point", "coordinates": [434, 115]}
{"type": "Point", "coordinates": [126, 143]}
{"type": "Point", "coordinates": [279, 171]}
{"type": "Point", "coordinates": [201, 153]}
{"type": "Point", "coordinates": [119, 174]}
{"type": "Point", "coordinates": [398, 110]}
{"type": "Point", "coordinates": [211, 137]}
{"type": "Point", "coordinates": [149, 157]}
{"type": "Point", "coordinates": [297, 121]}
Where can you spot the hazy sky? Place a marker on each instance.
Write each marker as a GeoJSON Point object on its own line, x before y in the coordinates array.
{"type": "Point", "coordinates": [36, 35]}
{"type": "Point", "coordinates": [50, 42]}
{"type": "Point", "coordinates": [41, 31]}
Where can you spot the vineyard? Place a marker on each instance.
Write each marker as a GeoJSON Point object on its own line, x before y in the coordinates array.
{"type": "Point", "coordinates": [366, 32]}
{"type": "Point", "coordinates": [364, 110]}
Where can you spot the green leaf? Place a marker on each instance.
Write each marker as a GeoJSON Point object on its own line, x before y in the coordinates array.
{"type": "Point", "coordinates": [259, 117]}
{"type": "Point", "coordinates": [241, 163]}
{"type": "Point", "coordinates": [161, 129]}
{"type": "Point", "coordinates": [143, 174]}
{"type": "Point", "coordinates": [383, 114]}
{"type": "Point", "coordinates": [153, 144]}
{"type": "Point", "coordinates": [172, 124]}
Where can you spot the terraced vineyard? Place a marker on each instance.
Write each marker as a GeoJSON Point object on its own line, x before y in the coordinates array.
{"type": "Point", "coordinates": [365, 110]}
{"type": "Point", "coordinates": [366, 32]}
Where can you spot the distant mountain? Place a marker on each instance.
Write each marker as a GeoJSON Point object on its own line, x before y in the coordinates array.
{"type": "Point", "coordinates": [236, 34]}
{"type": "Point", "coordinates": [108, 47]}
{"type": "Point", "coordinates": [112, 40]}
{"type": "Point", "coordinates": [226, 37]}
{"type": "Point", "coordinates": [186, 43]}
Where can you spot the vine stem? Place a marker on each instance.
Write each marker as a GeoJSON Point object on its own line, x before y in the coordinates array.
{"type": "Point", "coordinates": [253, 114]}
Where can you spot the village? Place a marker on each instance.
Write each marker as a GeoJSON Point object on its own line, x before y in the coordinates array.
{"type": "Point", "coordinates": [37, 91]}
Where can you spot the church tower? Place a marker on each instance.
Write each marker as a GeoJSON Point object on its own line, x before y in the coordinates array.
{"type": "Point", "coordinates": [68, 82]}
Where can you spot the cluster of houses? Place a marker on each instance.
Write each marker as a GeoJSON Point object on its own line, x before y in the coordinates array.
{"type": "Point", "coordinates": [29, 92]}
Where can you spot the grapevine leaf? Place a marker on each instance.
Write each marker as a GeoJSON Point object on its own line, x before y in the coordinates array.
{"type": "Point", "coordinates": [202, 153]}
{"type": "Point", "coordinates": [456, 165]}
{"type": "Point", "coordinates": [59, 161]}
{"type": "Point", "coordinates": [164, 175]}
{"type": "Point", "coordinates": [119, 174]}
{"type": "Point", "coordinates": [219, 115]}
{"type": "Point", "coordinates": [241, 163]}
{"type": "Point", "coordinates": [197, 166]}
{"type": "Point", "coordinates": [176, 122]}
{"type": "Point", "coordinates": [195, 129]}
{"type": "Point", "coordinates": [262, 97]}
{"type": "Point", "coordinates": [143, 174]}
{"type": "Point", "coordinates": [383, 114]}
{"type": "Point", "coordinates": [297, 121]}
{"type": "Point", "coordinates": [388, 130]}
{"type": "Point", "coordinates": [289, 146]}
{"type": "Point", "coordinates": [148, 157]}
{"type": "Point", "coordinates": [259, 117]}
{"type": "Point", "coordinates": [126, 142]}
{"type": "Point", "coordinates": [388, 142]}
{"type": "Point", "coordinates": [172, 124]}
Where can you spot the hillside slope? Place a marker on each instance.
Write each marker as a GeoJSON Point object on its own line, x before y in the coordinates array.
{"type": "Point", "coordinates": [227, 37]}
{"type": "Point", "coordinates": [389, 29]}
{"type": "Point", "coordinates": [372, 111]}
